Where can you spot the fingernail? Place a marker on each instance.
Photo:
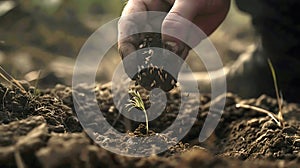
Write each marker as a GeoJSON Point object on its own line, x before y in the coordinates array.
{"type": "Point", "coordinates": [172, 46]}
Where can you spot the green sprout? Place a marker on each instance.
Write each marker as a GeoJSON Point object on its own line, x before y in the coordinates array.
{"type": "Point", "coordinates": [137, 102]}
{"type": "Point", "coordinates": [277, 118]}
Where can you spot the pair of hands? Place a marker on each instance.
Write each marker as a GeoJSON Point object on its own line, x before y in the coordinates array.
{"type": "Point", "coordinates": [205, 14]}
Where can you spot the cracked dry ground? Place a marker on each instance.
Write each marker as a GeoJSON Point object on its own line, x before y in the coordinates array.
{"type": "Point", "coordinates": [42, 130]}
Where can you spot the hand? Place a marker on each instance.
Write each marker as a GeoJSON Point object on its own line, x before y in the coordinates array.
{"type": "Point", "coordinates": [206, 14]}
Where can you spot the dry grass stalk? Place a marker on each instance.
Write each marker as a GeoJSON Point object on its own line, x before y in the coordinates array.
{"type": "Point", "coordinates": [277, 118]}
{"type": "Point", "coordinates": [7, 77]}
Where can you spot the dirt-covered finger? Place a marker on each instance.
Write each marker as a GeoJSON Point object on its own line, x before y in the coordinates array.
{"type": "Point", "coordinates": [129, 44]}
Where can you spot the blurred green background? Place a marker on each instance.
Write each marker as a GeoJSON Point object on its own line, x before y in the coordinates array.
{"type": "Point", "coordinates": [46, 36]}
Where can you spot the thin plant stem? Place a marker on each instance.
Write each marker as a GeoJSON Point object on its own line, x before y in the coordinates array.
{"type": "Point", "coordinates": [279, 98]}
{"type": "Point", "coordinates": [146, 118]}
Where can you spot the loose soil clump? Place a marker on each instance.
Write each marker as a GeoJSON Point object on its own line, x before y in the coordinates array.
{"type": "Point", "coordinates": [44, 130]}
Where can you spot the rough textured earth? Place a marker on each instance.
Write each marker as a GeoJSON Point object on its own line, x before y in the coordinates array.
{"type": "Point", "coordinates": [42, 129]}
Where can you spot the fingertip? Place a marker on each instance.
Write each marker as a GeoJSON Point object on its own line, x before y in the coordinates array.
{"type": "Point", "coordinates": [129, 58]}
{"type": "Point", "coordinates": [178, 29]}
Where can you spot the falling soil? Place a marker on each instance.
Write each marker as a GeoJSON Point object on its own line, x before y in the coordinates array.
{"type": "Point", "coordinates": [40, 128]}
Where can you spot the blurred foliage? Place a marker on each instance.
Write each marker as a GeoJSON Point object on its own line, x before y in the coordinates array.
{"type": "Point", "coordinates": [105, 6]}
{"type": "Point", "coordinates": [42, 34]}
{"type": "Point", "coordinates": [82, 7]}
{"type": "Point", "coordinates": [59, 26]}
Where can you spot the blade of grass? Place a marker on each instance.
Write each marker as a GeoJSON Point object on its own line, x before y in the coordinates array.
{"type": "Point", "coordinates": [279, 97]}
{"type": "Point", "coordinates": [37, 83]}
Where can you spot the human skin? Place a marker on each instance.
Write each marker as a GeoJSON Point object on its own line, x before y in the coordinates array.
{"type": "Point", "coordinates": [205, 14]}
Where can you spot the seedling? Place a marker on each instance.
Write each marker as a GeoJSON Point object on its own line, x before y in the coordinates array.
{"type": "Point", "coordinates": [36, 90]}
{"type": "Point", "coordinates": [277, 118]}
{"type": "Point", "coordinates": [137, 102]}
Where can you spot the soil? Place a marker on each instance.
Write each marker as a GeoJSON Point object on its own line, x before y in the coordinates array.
{"type": "Point", "coordinates": [40, 128]}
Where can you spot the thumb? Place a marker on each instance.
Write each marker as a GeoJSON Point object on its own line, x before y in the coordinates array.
{"type": "Point", "coordinates": [178, 31]}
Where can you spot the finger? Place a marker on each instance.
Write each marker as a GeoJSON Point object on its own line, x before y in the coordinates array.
{"type": "Point", "coordinates": [128, 26]}
{"type": "Point", "coordinates": [133, 22]}
{"type": "Point", "coordinates": [209, 20]}
{"type": "Point", "coordinates": [128, 37]}
{"type": "Point", "coordinates": [177, 24]}
{"type": "Point", "coordinates": [129, 44]}
{"type": "Point", "coordinates": [133, 6]}
{"type": "Point", "coordinates": [207, 15]}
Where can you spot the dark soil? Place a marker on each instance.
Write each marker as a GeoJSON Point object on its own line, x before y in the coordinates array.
{"type": "Point", "coordinates": [42, 129]}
